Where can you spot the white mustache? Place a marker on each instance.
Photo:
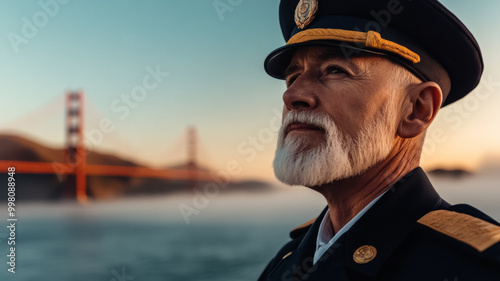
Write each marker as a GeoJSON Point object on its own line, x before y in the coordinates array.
{"type": "Point", "coordinates": [309, 118]}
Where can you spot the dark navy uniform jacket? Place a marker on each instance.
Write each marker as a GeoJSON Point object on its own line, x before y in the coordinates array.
{"type": "Point", "coordinates": [410, 233]}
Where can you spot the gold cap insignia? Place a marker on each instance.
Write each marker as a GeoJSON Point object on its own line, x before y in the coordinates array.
{"type": "Point", "coordinates": [364, 254]}
{"type": "Point", "coordinates": [305, 12]}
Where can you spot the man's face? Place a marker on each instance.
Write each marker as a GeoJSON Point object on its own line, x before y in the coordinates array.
{"type": "Point", "coordinates": [339, 118]}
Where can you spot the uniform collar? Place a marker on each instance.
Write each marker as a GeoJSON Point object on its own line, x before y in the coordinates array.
{"type": "Point", "coordinates": [326, 235]}
{"type": "Point", "coordinates": [390, 220]}
{"type": "Point", "coordinates": [300, 260]}
{"type": "Point", "coordinates": [384, 226]}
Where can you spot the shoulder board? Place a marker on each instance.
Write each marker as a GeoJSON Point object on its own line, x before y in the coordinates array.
{"type": "Point", "coordinates": [470, 230]}
{"type": "Point", "coordinates": [296, 232]}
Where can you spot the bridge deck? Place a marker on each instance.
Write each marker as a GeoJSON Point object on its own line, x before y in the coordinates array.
{"type": "Point", "coordinates": [24, 167]}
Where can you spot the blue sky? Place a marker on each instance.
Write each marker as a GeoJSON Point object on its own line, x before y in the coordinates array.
{"type": "Point", "coordinates": [215, 79]}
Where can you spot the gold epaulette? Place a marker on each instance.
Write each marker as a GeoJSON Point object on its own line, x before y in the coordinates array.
{"type": "Point", "coordinates": [475, 232]}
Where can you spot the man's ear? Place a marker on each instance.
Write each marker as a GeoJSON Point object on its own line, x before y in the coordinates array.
{"type": "Point", "coordinates": [421, 105]}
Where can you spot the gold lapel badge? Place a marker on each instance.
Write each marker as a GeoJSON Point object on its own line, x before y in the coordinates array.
{"type": "Point", "coordinates": [364, 254]}
{"type": "Point", "coordinates": [305, 12]}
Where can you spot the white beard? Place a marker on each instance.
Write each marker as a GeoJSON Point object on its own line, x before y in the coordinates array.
{"type": "Point", "coordinates": [339, 156]}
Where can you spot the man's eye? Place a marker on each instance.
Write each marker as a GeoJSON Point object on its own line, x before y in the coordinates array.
{"type": "Point", "coordinates": [289, 81]}
{"type": "Point", "coordinates": [333, 69]}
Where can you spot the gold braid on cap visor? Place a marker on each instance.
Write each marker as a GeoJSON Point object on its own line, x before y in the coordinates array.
{"type": "Point", "coordinates": [371, 39]}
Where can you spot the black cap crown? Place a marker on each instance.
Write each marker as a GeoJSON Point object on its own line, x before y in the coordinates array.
{"type": "Point", "coordinates": [422, 35]}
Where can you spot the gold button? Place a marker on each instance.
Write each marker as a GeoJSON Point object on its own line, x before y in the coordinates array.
{"type": "Point", "coordinates": [364, 254]}
{"type": "Point", "coordinates": [286, 256]}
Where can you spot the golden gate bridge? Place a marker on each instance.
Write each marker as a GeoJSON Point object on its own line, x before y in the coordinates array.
{"type": "Point", "coordinates": [75, 167]}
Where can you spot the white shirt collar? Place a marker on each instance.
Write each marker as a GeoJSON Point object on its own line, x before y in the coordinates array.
{"type": "Point", "coordinates": [326, 237]}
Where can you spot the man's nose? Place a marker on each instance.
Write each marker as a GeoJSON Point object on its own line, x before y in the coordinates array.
{"type": "Point", "coordinates": [300, 94]}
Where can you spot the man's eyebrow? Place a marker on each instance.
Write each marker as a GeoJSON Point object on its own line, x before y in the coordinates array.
{"type": "Point", "coordinates": [338, 56]}
{"type": "Point", "coordinates": [322, 56]}
{"type": "Point", "coordinates": [325, 56]}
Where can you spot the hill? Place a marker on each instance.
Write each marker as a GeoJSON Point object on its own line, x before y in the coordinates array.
{"type": "Point", "coordinates": [450, 173]}
{"type": "Point", "coordinates": [52, 187]}
{"type": "Point", "coordinates": [17, 148]}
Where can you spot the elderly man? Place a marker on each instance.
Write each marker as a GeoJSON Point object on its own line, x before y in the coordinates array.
{"type": "Point", "coordinates": [365, 79]}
